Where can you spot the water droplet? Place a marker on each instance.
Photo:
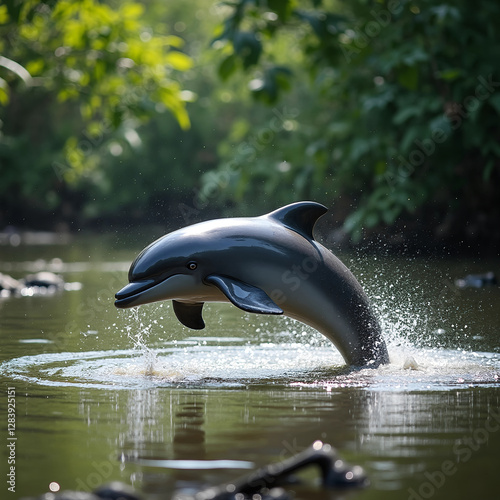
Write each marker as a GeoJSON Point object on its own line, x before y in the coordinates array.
{"type": "Point", "coordinates": [53, 486]}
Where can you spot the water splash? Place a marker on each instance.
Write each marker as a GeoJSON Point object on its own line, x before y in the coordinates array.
{"type": "Point", "coordinates": [417, 307]}
{"type": "Point", "coordinates": [277, 350]}
{"type": "Point", "coordinates": [138, 331]}
{"type": "Point", "coordinates": [234, 363]}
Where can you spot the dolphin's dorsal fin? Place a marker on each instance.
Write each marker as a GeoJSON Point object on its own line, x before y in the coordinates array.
{"type": "Point", "coordinates": [189, 314]}
{"type": "Point", "coordinates": [300, 217]}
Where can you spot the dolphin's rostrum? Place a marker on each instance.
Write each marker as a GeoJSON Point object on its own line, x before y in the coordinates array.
{"type": "Point", "coordinates": [266, 265]}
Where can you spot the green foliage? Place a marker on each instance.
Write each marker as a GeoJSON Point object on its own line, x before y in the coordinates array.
{"type": "Point", "coordinates": [401, 110]}
{"type": "Point", "coordinates": [75, 77]}
{"type": "Point", "coordinates": [387, 109]}
{"type": "Point", "coordinates": [102, 57]}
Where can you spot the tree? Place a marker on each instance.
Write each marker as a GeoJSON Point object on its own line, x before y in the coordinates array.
{"type": "Point", "coordinates": [400, 116]}
{"type": "Point", "coordinates": [76, 76]}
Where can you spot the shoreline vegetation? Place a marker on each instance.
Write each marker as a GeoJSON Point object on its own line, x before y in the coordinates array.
{"type": "Point", "coordinates": [170, 113]}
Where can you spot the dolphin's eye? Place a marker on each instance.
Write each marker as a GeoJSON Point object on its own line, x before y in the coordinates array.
{"type": "Point", "coordinates": [192, 265]}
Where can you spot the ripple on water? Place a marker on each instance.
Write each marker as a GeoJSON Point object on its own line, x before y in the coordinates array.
{"type": "Point", "coordinates": [217, 364]}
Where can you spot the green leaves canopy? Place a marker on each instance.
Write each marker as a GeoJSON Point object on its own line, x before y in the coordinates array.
{"type": "Point", "coordinates": [400, 113]}
{"type": "Point", "coordinates": [93, 72]}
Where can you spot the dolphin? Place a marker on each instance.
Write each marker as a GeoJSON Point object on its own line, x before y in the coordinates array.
{"type": "Point", "coordinates": [267, 265]}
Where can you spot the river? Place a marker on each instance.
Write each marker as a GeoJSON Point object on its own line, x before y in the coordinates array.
{"type": "Point", "coordinates": [98, 394]}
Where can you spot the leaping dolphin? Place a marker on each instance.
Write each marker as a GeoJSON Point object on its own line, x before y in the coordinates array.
{"type": "Point", "coordinates": [267, 265]}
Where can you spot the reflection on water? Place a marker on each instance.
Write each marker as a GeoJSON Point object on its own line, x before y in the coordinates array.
{"type": "Point", "coordinates": [396, 436]}
{"type": "Point", "coordinates": [104, 394]}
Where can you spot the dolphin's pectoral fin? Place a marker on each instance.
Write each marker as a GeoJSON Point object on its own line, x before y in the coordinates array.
{"type": "Point", "coordinates": [245, 296]}
{"type": "Point", "coordinates": [189, 314]}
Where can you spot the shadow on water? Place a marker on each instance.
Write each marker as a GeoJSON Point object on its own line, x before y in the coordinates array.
{"type": "Point", "coordinates": [104, 394]}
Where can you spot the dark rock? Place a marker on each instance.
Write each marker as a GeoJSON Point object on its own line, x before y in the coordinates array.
{"type": "Point", "coordinates": [44, 279]}
{"type": "Point", "coordinates": [116, 491]}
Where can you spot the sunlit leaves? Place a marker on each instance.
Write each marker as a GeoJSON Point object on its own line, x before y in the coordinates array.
{"type": "Point", "coordinates": [83, 75]}
{"type": "Point", "coordinates": [131, 11]}
{"type": "Point", "coordinates": [35, 67]}
{"type": "Point", "coordinates": [170, 98]}
{"type": "Point", "coordinates": [87, 48]}
{"type": "Point", "coordinates": [4, 14]}
{"type": "Point", "coordinates": [4, 92]}
{"type": "Point", "coordinates": [178, 61]}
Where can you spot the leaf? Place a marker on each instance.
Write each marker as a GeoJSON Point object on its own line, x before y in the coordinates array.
{"type": "Point", "coordinates": [324, 24]}
{"type": "Point", "coordinates": [408, 77]}
{"type": "Point", "coordinates": [380, 100]}
{"type": "Point", "coordinates": [179, 61]}
{"type": "Point", "coordinates": [35, 67]}
{"type": "Point", "coordinates": [174, 103]}
{"type": "Point", "coordinates": [409, 136]}
{"type": "Point", "coordinates": [227, 67]}
{"type": "Point", "coordinates": [132, 10]}
{"type": "Point", "coordinates": [275, 79]}
{"type": "Point", "coordinates": [265, 89]}
{"type": "Point", "coordinates": [444, 11]}
{"type": "Point", "coordinates": [415, 55]}
{"type": "Point", "coordinates": [182, 117]}
{"type": "Point", "coordinates": [67, 93]}
{"type": "Point", "coordinates": [281, 7]}
{"type": "Point", "coordinates": [4, 14]}
{"type": "Point", "coordinates": [4, 94]}
{"type": "Point", "coordinates": [450, 74]}
{"type": "Point", "coordinates": [405, 113]}
{"type": "Point", "coordinates": [359, 147]}
{"type": "Point", "coordinates": [282, 76]}
{"type": "Point", "coordinates": [248, 47]}
{"type": "Point", "coordinates": [174, 41]}
{"type": "Point", "coordinates": [14, 9]}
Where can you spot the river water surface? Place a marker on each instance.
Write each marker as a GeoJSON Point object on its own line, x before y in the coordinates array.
{"type": "Point", "coordinates": [102, 394]}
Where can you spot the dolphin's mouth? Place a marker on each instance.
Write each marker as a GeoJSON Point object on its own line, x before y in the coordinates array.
{"type": "Point", "coordinates": [131, 292]}
{"type": "Point", "coordinates": [161, 287]}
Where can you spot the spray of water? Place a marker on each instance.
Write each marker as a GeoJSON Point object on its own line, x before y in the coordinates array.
{"type": "Point", "coordinates": [256, 349]}
{"type": "Point", "coordinates": [138, 331]}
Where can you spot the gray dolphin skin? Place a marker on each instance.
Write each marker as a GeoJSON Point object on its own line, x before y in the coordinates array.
{"type": "Point", "coordinates": [267, 265]}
